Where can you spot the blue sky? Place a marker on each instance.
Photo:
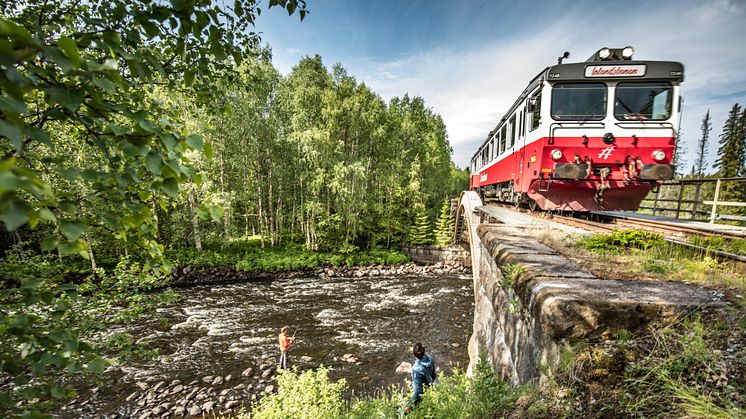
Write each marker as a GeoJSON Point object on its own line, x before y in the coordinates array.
{"type": "Point", "coordinates": [470, 59]}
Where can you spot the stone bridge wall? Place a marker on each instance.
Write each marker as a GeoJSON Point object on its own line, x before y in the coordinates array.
{"type": "Point", "coordinates": [525, 319]}
{"type": "Point", "coordinates": [450, 255]}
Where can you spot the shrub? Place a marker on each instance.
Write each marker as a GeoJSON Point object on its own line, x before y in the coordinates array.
{"type": "Point", "coordinates": [622, 239]}
{"type": "Point", "coordinates": [308, 395]}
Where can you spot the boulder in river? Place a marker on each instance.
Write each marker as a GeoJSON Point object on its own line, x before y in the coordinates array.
{"type": "Point", "coordinates": [404, 368]}
{"type": "Point", "coordinates": [208, 406]}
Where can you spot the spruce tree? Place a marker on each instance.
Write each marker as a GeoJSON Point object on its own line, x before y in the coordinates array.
{"type": "Point", "coordinates": [731, 152]}
{"type": "Point", "coordinates": [702, 145]}
{"type": "Point", "coordinates": [421, 232]}
{"type": "Point", "coordinates": [444, 225]}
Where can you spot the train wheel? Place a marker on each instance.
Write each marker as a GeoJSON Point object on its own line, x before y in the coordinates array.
{"type": "Point", "coordinates": [532, 205]}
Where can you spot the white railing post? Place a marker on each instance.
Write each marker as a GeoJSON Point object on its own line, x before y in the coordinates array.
{"type": "Point", "coordinates": [714, 212]}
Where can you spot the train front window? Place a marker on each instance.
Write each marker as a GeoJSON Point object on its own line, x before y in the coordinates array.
{"type": "Point", "coordinates": [579, 101]}
{"type": "Point", "coordinates": [637, 101]}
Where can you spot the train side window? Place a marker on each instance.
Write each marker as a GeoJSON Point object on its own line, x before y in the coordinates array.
{"type": "Point", "coordinates": [535, 112]}
{"type": "Point", "coordinates": [503, 136]}
{"type": "Point", "coordinates": [511, 140]}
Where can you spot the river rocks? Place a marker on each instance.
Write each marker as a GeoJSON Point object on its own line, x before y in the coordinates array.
{"type": "Point", "coordinates": [270, 388]}
{"type": "Point", "coordinates": [132, 396]}
{"type": "Point", "coordinates": [208, 379]}
{"type": "Point", "coordinates": [142, 385]}
{"type": "Point", "coordinates": [349, 358]}
{"type": "Point", "coordinates": [231, 404]}
{"type": "Point", "coordinates": [247, 372]}
{"type": "Point", "coordinates": [228, 377]}
{"type": "Point", "coordinates": [178, 389]}
{"type": "Point", "coordinates": [306, 358]}
{"type": "Point", "coordinates": [179, 411]}
{"type": "Point", "coordinates": [159, 386]}
{"type": "Point", "coordinates": [404, 367]}
{"type": "Point", "coordinates": [208, 406]}
{"type": "Point", "coordinates": [218, 380]}
{"type": "Point", "coordinates": [195, 410]}
{"type": "Point", "coordinates": [267, 373]}
{"type": "Point", "coordinates": [222, 274]}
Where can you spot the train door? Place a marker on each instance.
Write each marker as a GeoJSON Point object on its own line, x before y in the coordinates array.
{"type": "Point", "coordinates": [531, 121]}
{"type": "Point", "coordinates": [520, 147]}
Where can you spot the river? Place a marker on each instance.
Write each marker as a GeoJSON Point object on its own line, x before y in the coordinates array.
{"type": "Point", "coordinates": [224, 329]}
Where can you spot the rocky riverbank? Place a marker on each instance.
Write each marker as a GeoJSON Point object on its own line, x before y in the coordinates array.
{"type": "Point", "coordinates": [189, 275]}
{"type": "Point", "coordinates": [211, 395]}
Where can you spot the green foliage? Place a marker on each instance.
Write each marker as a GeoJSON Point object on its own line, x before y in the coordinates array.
{"type": "Point", "coordinates": [249, 256]}
{"type": "Point", "coordinates": [621, 239]}
{"type": "Point", "coordinates": [735, 246]}
{"type": "Point", "coordinates": [444, 225]}
{"type": "Point", "coordinates": [308, 395]}
{"type": "Point", "coordinates": [421, 232]}
{"type": "Point", "coordinates": [312, 395]}
{"type": "Point", "coordinates": [511, 272]}
{"type": "Point", "coordinates": [457, 396]}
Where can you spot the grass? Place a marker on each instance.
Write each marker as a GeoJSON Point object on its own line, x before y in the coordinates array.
{"type": "Point", "coordinates": [249, 256]}
{"type": "Point", "coordinates": [626, 254]}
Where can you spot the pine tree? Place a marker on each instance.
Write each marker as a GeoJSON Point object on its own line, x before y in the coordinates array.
{"type": "Point", "coordinates": [702, 145]}
{"type": "Point", "coordinates": [421, 232]}
{"type": "Point", "coordinates": [731, 159]}
{"type": "Point", "coordinates": [444, 225]}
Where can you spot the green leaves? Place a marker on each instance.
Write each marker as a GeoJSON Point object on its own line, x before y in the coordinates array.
{"type": "Point", "coordinates": [70, 48]}
{"type": "Point", "coordinates": [70, 99]}
{"type": "Point", "coordinates": [194, 141]}
{"type": "Point", "coordinates": [72, 229]}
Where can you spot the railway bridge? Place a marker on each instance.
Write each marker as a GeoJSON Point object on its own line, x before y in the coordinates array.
{"type": "Point", "coordinates": [531, 301]}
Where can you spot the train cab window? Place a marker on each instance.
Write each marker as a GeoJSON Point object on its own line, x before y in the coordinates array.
{"type": "Point", "coordinates": [534, 112]}
{"type": "Point", "coordinates": [579, 101]}
{"type": "Point", "coordinates": [643, 101]}
{"type": "Point", "coordinates": [511, 139]}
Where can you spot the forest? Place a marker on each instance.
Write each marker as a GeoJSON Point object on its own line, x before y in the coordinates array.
{"type": "Point", "coordinates": [131, 131]}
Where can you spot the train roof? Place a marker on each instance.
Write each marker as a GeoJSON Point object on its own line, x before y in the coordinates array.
{"type": "Point", "coordinates": [595, 69]}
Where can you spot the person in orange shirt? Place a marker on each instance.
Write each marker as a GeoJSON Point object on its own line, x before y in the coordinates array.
{"type": "Point", "coordinates": [285, 342]}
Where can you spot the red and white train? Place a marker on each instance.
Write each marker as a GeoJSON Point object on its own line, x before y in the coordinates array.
{"type": "Point", "coordinates": [595, 135]}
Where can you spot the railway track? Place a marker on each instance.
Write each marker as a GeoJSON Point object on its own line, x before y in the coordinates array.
{"type": "Point", "coordinates": [673, 234]}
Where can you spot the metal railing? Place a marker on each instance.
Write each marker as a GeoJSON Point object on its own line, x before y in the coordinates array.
{"type": "Point", "coordinates": [689, 197]}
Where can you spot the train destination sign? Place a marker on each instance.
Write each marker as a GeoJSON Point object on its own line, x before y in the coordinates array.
{"type": "Point", "coordinates": [637, 70]}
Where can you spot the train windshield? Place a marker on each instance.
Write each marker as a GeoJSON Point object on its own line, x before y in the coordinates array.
{"type": "Point", "coordinates": [643, 101]}
{"type": "Point", "coordinates": [579, 101]}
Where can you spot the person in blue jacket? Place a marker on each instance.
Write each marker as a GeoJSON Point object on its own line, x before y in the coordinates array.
{"type": "Point", "coordinates": [423, 374]}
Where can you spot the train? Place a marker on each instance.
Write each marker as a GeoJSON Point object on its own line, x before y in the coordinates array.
{"type": "Point", "coordinates": [584, 136]}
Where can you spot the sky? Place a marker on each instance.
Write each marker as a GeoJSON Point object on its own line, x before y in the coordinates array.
{"type": "Point", "coordinates": [470, 59]}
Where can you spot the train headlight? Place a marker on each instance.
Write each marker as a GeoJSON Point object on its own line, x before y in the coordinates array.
{"type": "Point", "coordinates": [659, 155]}
{"type": "Point", "coordinates": [556, 154]}
{"type": "Point", "coordinates": [627, 52]}
{"type": "Point", "coordinates": [604, 53]}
